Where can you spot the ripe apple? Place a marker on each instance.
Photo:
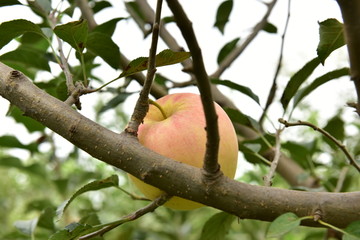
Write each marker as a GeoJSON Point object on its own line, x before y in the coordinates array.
{"type": "Point", "coordinates": [175, 127]}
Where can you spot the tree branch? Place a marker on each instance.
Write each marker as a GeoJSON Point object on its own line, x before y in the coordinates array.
{"type": "Point", "coordinates": [131, 217]}
{"type": "Point", "coordinates": [237, 51]}
{"type": "Point", "coordinates": [142, 104]}
{"type": "Point", "coordinates": [273, 88]}
{"type": "Point", "coordinates": [125, 152]}
{"type": "Point", "coordinates": [350, 11]}
{"type": "Point", "coordinates": [211, 166]}
{"type": "Point", "coordinates": [326, 134]}
{"type": "Point", "coordinates": [275, 161]}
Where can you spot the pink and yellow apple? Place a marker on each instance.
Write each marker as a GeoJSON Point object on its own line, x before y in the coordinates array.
{"type": "Point", "coordinates": [176, 129]}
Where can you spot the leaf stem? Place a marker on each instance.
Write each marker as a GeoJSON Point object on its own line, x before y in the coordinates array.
{"type": "Point", "coordinates": [332, 226]}
{"type": "Point", "coordinates": [159, 107]}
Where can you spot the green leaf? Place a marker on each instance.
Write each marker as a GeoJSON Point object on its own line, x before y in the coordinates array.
{"type": "Point", "coordinates": [108, 27]}
{"type": "Point", "coordinates": [27, 227]}
{"type": "Point", "coordinates": [41, 7]}
{"type": "Point", "coordinates": [111, 181]}
{"type": "Point", "coordinates": [217, 226]}
{"type": "Point", "coordinates": [35, 168]}
{"type": "Point", "coordinates": [9, 3]}
{"type": "Point", "coordinates": [168, 19]}
{"type": "Point", "coordinates": [166, 57]}
{"type": "Point", "coordinates": [223, 14]}
{"type": "Point", "coordinates": [283, 224]}
{"type": "Point", "coordinates": [352, 231]}
{"type": "Point", "coordinates": [30, 124]}
{"type": "Point", "coordinates": [270, 28]}
{"type": "Point", "coordinates": [102, 45]}
{"type": "Point", "coordinates": [70, 232]}
{"type": "Point", "coordinates": [301, 152]}
{"type": "Point", "coordinates": [114, 102]}
{"type": "Point", "coordinates": [252, 149]}
{"type": "Point", "coordinates": [100, 5]}
{"type": "Point", "coordinates": [296, 80]}
{"type": "Point", "coordinates": [38, 204]}
{"type": "Point", "coordinates": [91, 219]}
{"type": "Point", "coordinates": [239, 117]}
{"type": "Point", "coordinates": [320, 81]}
{"type": "Point", "coordinates": [331, 38]}
{"type": "Point", "coordinates": [74, 33]}
{"type": "Point", "coordinates": [245, 90]}
{"type": "Point", "coordinates": [12, 29]}
{"type": "Point", "coordinates": [46, 219]}
{"type": "Point", "coordinates": [226, 49]}
{"type": "Point", "coordinates": [35, 41]}
{"type": "Point", "coordinates": [12, 142]}
{"type": "Point", "coordinates": [8, 161]}
{"type": "Point", "coordinates": [28, 56]}
{"type": "Point", "coordinates": [336, 128]}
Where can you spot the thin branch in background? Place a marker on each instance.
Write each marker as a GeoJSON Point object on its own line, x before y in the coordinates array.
{"type": "Point", "coordinates": [87, 13]}
{"type": "Point", "coordinates": [142, 105]}
{"type": "Point", "coordinates": [274, 163]}
{"type": "Point", "coordinates": [170, 41]}
{"type": "Point", "coordinates": [273, 88]}
{"type": "Point", "coordinates": [341, 179]}
{"type": "Point", "coordinates": [326, 134]}
{"type": "Point", "coordinates": [131, 217]}
{"type": "Point", "coordinates": [63, 60]}
{"type": "Point", "coordinates": [211, 166]}
{"type": "Point", "coordinates": [225, 64]}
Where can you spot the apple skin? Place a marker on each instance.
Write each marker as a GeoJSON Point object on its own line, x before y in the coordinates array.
{"type": "Point", "coordinates": [182, 137]}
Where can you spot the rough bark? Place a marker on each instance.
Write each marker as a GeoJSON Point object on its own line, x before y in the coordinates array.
{"type": "Point", "coordinates": [124, 151]}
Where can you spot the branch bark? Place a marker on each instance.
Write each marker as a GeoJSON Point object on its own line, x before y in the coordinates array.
{"type": "Point", "coordinates": [350, 11]}
{"type": "Point", "coordinates": [125, 152]}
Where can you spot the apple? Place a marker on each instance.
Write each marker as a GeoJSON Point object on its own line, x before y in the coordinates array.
{"type": "Point", "coordinates": [175, 128]}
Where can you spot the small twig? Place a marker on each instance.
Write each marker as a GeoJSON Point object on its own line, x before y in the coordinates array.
{"type": "Point", "coordinates": [238, 50]}
{"type": "Point", "coordinates": [273, 88]}
{"type": "Point", "coordinates": [131, 217]}
{"type": "Point", "coordinates": [191, 82]}
{"type": "Point", "coordinates": [326, 134]}
{"type": "Point", "coordinates": [274, 163]}
{"type": "Point", "coordinates": [211, 166]}
{"type": "Point", "coordinates": [63, 60]}
{"type": "Point", "coordinates": [142, 105]}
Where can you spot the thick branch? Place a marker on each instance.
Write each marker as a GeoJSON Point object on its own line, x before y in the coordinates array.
{"type": "Point", "coordinates": [125, 152]}
{"type": "Point", "coordinates": [350, 11]}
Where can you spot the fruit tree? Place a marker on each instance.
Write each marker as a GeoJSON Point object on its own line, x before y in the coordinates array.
{"type": "Point", "coordinates": [116, 111]}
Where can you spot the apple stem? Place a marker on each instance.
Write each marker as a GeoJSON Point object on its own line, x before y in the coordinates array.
{"type": "Point", "coordinates": [159, 107]}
